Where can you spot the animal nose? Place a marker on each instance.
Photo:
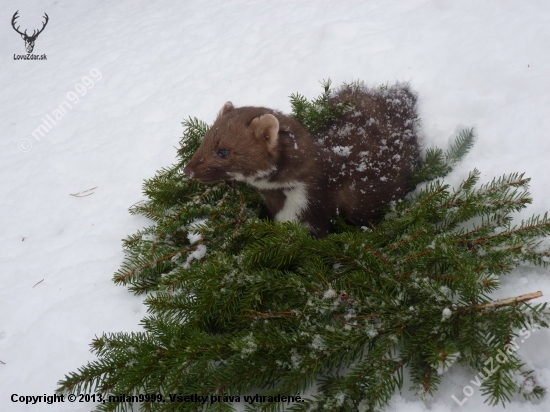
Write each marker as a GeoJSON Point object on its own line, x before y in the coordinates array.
{"type": "Point", "coordinates": [188, 171]}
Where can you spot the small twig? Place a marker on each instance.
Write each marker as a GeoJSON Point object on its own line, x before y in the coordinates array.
{"type": "Point", "coordinates": [261, 315]}
{"type": "Point", "coordinates": [122, 278]}
{"type": "Point", "coordinates": [508, 301]}
{"type": "Point", "coordinates": [423, 275]}
{"type": "Point", "coordinates": [137, 203]}
{"type": "Point", "coordinates": [426, 252]}
{"type": "Point", "coordinates": [339, 319]}
{"type": "Point", "coordinates": [79, 193]}
{"type": "Point", "coordinates": [89, 194]}
{"type": "Point", "coordinates": [38, 283]}
{"type": "Point", "coordinates": [406, 240]}
{"type": "Point", "coordinates": [381, 256]}
{"type": "Point", "coordinates": [374, 315]}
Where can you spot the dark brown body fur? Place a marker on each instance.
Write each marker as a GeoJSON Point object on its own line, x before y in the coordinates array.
{"type": "Point", "coordinates": [352, 168]}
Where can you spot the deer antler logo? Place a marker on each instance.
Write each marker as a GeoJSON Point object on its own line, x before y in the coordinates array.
{"type": "Point", "coordinates": [29, 40]}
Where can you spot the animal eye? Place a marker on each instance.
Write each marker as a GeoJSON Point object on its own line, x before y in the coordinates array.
{"type": "Point", "coordinates": [223, 153]}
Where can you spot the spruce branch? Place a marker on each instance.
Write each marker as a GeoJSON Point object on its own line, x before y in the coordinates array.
{"type": "Point", "coordinates": [238, 303]}
{"type": "Point", "coordinates": [436, 164]}
{"type": "Point", "coordinates": [319, 112]}
{"type": "Point", "coordinates": [461, 146]}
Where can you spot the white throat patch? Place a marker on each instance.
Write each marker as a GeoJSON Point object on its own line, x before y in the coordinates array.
{"type": "Point", "coordinates": [257, 180]}
{"type": "Point", "coordinates": [295, 203]}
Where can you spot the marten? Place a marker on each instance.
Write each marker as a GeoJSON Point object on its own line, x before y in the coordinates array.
{"type": "Point", "coordinates": [353, 167]}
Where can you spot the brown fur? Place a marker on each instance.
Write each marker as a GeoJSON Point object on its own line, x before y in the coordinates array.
{"type": "Point", "coordinates": [352, 167]}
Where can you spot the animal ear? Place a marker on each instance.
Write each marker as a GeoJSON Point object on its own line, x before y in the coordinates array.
{"type": "Point", "coordinates": [267, 127]}
{"type": "Point", "coordinates": [227, 107]}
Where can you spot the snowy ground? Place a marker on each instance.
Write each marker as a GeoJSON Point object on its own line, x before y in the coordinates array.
{"type": "Point", "coordinates": [482, 64]}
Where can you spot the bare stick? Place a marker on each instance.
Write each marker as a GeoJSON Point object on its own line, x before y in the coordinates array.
{"type": "Point", "coordinates": [509, 301]}
{"type": "Point", "coordinates": [38, 283]}
{"type": "Point", "coordinates": [79, 194]}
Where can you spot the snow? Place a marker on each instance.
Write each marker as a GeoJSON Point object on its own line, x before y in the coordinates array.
{"type": "Point", "coordinates": [481, 64]}
{"type": "Point", "coordinates": [343, 151]}
{"type": "Point", "coordinates": [193, 235]}
{"type": "Point", "coordinates": [197, 254]}
{"type": "Point", "coordinates": [330, 293]}
{"type": "Point", "coordinates": [317, 343]}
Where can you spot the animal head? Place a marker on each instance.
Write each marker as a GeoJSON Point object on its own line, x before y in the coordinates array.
{"type": "Point", "coordinates": [29, 40]}
{"type": "Point", "coordinates": [242, 144]}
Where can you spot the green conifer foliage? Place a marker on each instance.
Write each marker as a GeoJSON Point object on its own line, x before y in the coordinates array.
{"type": "Point", "coordinates": [240, 304]}
{"type": "Point", "coordinates": [315, 114]}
